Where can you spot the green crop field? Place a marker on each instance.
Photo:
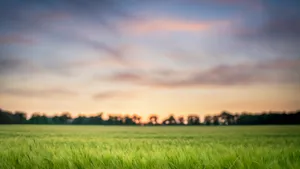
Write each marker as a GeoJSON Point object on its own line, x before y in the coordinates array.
{"type": "Point", "coordinates": [38, 146]}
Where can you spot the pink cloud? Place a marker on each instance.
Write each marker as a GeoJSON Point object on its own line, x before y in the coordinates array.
{"type": "Point", "coordinates": [170, 25]}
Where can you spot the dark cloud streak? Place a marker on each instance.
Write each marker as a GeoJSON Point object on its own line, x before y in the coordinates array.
{"type": "Point", "coordinates": [13, 64]}
{"type": "Point", "coordinates": [10, 65]}
{"type": "Point", "coordinates": [16, 39]}
{"type": "Point", "coordinates": [271, 72]}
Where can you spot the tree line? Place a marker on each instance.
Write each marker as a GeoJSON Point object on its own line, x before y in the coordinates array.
{"type": "Point", "coordinates": [224, 118]}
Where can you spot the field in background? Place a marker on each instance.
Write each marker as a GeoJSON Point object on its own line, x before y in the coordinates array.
{"type": "Point", "coordinates": [38, 146]}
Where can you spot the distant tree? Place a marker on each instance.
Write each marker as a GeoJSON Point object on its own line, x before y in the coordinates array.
{"type": "Point", "coordinates": [20, 117]}
{"type": "Point", "coordinates": [136, 119]}
{"type": "Point", "coordinates": [79, 120]}
{"type": "Point", "coordinates": [35, 119]}
{"type": "Point", "coordinates": [139, 120]}
{"type": "Point", "coordinates": [94, 119]}
{"type": "Point", "coordinates": [224, 118]}
{"type": "Point", "coordinates": [153, 120]}
{"type": "Point", "coordinates": [65, 117]}
{"type": "Point", "coordinates": [207, 120]}
{"type": "Point", "coordinates": [6, 117]}
{"type": "Point", "coordinates": [215, 120]}
{"type": "Point", "coordinates": [56, 120]}
{"type": "Point", "coordinates": [44, 119]}
{"type": "Point", "coordinates": [193, 120]}
{"type": "Point", "coordinates": [170, 121]}
{"type": "Point", "coordinates": [119, 120]}
{"type": "Point", "coordinates": [227, 118]}
{"type": "Point", "coordinates": [110, 120]}
{"type": "Point", "coordinates": [128, 120]}
{"type": "Point", "coordinates": [181, 120]}
{"type": "Point", "coordinates": [114, 120]}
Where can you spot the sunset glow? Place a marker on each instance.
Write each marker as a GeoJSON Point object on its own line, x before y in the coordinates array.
{"type": "Point", "coordinates": [149, 57]}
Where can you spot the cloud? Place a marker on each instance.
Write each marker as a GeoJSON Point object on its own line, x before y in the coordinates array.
{"type": "Point", "coordinates": [282, 26]}
{"type": "Point", "coordinates": [280, 20]}
{"type": "Point", "coordinates": [39, 93]}
{"type": "Point", "coordinates": [85, 36]}
{"type": "Point", "coordinates": [10, 65]}
{"type": "Point", "coordinates": [40, 14]}
{"type": "Point", "coordinates": [63, 21]}
{"type": "Point", "coordinates": [29, 17]}
{"type": "Point", "coordinates": [54, 16]}
{"type": "Point", "coordinates": [115, 53]}
{"type": "Point", "coordinates": [170, 25]}
{"type": "Point", "coordinates": [242, 4]}
{"type": "Point", "coordinates": [16, 39]}
{"type": "Point", "coordinates": [127, 76]}
{"type": "Point", "coordinates": [112, 95]}
{"type": "Point", "coordinates": [277, 71]}
{"type": "Point", "coordinates": [233, 1]}
{"type": "Point", "coordinates": [278, 27]}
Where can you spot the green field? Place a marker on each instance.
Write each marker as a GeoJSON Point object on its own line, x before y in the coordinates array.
{"type": "Point", "coordinates": [38, 146]}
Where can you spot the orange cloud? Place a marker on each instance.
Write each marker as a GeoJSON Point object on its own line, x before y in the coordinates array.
{"type": "Point", "coordinates": [144, 27]}
{"type": "Point", "coordinates": [113, 95]}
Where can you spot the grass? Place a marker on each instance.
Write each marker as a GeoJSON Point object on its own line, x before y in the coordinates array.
{"type": "Point", "coordinates": [35, 146]}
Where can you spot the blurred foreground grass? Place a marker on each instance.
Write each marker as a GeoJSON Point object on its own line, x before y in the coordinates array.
{"type": "Point", "coordinates": [38, 146]}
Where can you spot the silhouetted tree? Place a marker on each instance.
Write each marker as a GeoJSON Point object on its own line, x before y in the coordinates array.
{"type": "Point", "coordinates": [181, 120]}
{"type": "Point", "coordinates": [6, 117]}
{"type": "Point", "coordinates": [96, 120]}
{"type": "Point", "coordinates": [56, 120]}
{"type": "Point", "coordinates": [153, 120]}
{"type": "Point", "coordinates": [170, 121]}
{"type": "Point", "coordinates": [227, 118]}
{"type": "Point", "coordinates": [128, 120]}
{"type": "Point", "coordinates": [79, 120]}
{"type": "Point", "coordinates": [136, 119]}
{"type": "Point", "coordinates": [215, 120]}
{"type": "Point", "coordinates": [65, 117]}
{"type": "Point", "coordinates": [207, 120]}
{"type": "Point", "coordinates": [193, 120]}
{"type": "Point", "coordinates": [110, 120]}
{"type": "Point", "coordinates": [36, 118]}
{"type": "Point", "coordinates": [19, 117]}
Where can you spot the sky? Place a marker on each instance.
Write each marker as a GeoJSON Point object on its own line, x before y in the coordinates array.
{"type": "Point", "coordinates": [149, 57]}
